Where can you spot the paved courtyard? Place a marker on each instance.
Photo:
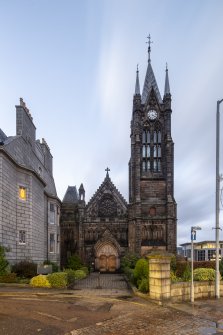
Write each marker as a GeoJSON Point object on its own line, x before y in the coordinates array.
{"type": "Point", "coordinates": [104, 284]}
{"type": "Point", "coordinates": [100, 306]}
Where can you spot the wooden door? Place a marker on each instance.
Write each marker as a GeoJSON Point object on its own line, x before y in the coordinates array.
{"type": "Point", "coordinates": [103, 263]}
{"type": "Point", "coordinates": [111, 263]}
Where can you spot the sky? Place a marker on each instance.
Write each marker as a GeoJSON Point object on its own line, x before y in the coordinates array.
{"type": "Point", "coordinates": [74, 64]}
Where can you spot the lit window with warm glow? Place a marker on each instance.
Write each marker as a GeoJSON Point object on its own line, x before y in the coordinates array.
{"type": "Point", "coordinates": [22, 193]}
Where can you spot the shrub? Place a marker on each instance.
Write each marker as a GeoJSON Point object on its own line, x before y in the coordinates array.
{"type": "Point", "coordinates": [74, 262]}
{"type": "Point", "coordinates": [70, 277]}
{"type": "Point", "coordinates": [221, 267]}
{"type": "Point", "coordinates": [174, 278]}
{"type": "Point", "coordinates": [25, 269]}
{"type": "Point", "coordinates": [204, 274]}
{"type": "Point", "coordinates": [55, 267]}
{"type": "Point", "coordinates": [40, 281]}
{"type": "Point", "coordinates": [144, 285]}
{"type": "Point", "coordinates": [180, 268]}
{"type": "Point", "coordinates": [204, 264]}
{"type": "Point", "coordinates": [129, 273]}
{"type": "Point", "coordinates": [57, 279]}
{"type": "Point", "coordinates": [3, 261]}
{"type": "Point", "coordinates": [173, 264]}
{"type": "Point", "coordinates": [187, 273]}
{"type": "Point", "coordinates": [85, 269]}
{"type": "Point", "coordinates": [8, 278]}
{"type": "Point", "coordinates": [129, 260]}
{"type": "Point", "coordinates": [80, 274]}
{"type": "Point", "coordinates": [141, 271]}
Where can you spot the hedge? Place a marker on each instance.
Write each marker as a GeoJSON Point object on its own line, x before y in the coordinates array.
{"type": "Point", "coordinates": [204, 274]}
{"type": "Point", "coordinates": [25, 269]}
{"type": "Point", "coordinates": [57, 279]}
{"type": "Point", "coordinates": [8, 278]}
{"type": "Point", "coordinates": [141, 274]}
{"type": "Point", "coordinates": [40, 281]}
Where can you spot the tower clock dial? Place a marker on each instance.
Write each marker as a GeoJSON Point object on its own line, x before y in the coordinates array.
{"type": "Point", "coordinates": [152, 114]}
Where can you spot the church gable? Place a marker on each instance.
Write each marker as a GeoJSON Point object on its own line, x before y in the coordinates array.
{"type": "Point", "coordinates": [107, 202]}
{"type": "Point", "coordinates": [152, 100]}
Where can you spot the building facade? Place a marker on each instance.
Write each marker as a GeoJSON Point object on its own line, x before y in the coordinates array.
{"type": "Point", "coordinates": [107, 227]}
{"type": "Point", "coordinates": [203, 251]}
{"type": "Point", "coordinates": [29, 206]}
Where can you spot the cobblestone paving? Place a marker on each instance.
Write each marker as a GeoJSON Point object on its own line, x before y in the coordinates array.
{"type": "Point", "coordinates": [144, 318]}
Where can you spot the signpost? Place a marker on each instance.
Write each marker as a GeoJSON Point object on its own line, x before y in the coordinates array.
{"type": "Point", "coordinates": [193, 238]}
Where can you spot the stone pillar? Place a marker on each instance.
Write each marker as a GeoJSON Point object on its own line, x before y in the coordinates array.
{"type": "Point", "coordinates": [159, 278]}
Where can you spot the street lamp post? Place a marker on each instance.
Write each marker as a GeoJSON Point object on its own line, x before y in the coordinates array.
{"type": "Point", "coordinates": [193, 237]}
{"type": "Point", "coordinates": [218, 180]}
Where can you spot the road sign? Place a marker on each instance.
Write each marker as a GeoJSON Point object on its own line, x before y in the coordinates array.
{"type": "Point", "coordinates": [193, 235]}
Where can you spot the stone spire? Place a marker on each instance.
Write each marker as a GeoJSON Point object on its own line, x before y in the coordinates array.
{"type": "Point", "coordinates": [137, 87]}
{"type": "Point", "coordinates": [81, 192]}
{"type": "Point", "coordinates": [150, 80]}
{"type": "Point", "coordinates": [167, 85]}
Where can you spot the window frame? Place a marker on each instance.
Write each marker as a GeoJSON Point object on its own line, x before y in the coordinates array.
{"type": "Point", "coordinates": [22, 188]}
{"type": "Point", "coordinates": [151, 149]}
{"type": "Point", "coordinates": [22, 237]}
{"type": "Point", "coordinates": [201, 255]}
{"type": "Point", "coordinates": [52, 250]}
{"type": "Point", "coordinates": [52, 213]}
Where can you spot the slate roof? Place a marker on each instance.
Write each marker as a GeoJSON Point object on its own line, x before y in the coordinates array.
{"type": "Point", "coordinates": [71, 195]}
{"type": "Point", "coordinates": [3, 137]}
{"type": "Point", "coordinates": [150, 81]}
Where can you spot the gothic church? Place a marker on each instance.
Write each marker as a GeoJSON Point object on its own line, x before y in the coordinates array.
{"type": "Point", "coordinates": [104, 229]}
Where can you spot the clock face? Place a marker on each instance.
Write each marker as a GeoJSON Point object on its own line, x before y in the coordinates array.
{"type": "Point", "coordinates": [152, 114]}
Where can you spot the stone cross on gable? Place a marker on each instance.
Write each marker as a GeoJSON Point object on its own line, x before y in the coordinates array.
{"type": "Point", "coordinates": [107, 170]}
{"type": "Point", "coordinates": [149, 46]}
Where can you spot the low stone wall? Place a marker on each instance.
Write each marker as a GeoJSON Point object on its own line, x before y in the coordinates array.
{"type": "Point", "coordinates": [162, 289]}
{"type": "Point", "coordinates": [202, 289]}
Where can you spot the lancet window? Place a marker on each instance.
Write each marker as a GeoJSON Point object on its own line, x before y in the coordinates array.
{"type": "Point", "coordinates": [151, 150]}
{"type": "Point", "coordinates": [146, 150]}
{"type": "Point", "coordinates": [157, 150]}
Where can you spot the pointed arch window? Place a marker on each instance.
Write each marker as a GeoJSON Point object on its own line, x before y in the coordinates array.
{"type": "Point", "coordinates": [152, 149]}
{"type": "Point", "coordinates": [146, 150]}
{"type": "Point", "coordinates": [157, 152]}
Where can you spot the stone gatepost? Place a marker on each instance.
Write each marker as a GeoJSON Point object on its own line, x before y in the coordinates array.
{"type": "Point", "coordinates": [159, 277]}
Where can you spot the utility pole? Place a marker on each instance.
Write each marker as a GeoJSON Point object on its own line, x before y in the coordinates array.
{"type": "Point", "coordinates": [218, 180]}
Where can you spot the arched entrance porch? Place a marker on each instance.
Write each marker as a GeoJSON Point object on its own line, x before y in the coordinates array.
{"type": "Point", "coordinates": [106, 257]}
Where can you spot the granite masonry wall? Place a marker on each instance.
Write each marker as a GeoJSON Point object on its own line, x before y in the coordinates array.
{"type": "Point", "coordinates": [8, 191]}
{"type": "Point", "coordinates": [27, 162]}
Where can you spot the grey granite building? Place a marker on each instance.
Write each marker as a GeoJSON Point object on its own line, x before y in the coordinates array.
{"type": "Point", "coordinates": [29, 206]}
{"type": "Point", "coordinates": [107, 227]}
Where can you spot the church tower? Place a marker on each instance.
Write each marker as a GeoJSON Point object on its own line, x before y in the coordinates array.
{"type": "Point", "coordinates": [152, 207]}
